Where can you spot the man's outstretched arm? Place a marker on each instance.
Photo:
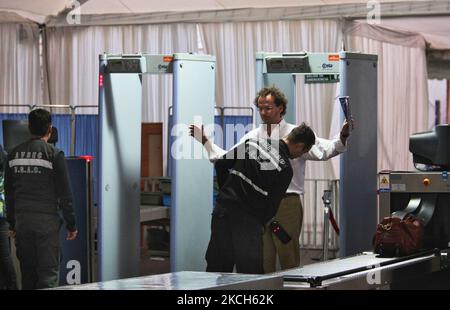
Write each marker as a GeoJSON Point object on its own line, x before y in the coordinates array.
{"type": "Point", "coordinates": [214, 151]}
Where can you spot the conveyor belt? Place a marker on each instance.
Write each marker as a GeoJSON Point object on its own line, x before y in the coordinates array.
{"type": "Point", "coordinates": [357, 267]}
{"type": "Point", "coordinates": [187, 280]}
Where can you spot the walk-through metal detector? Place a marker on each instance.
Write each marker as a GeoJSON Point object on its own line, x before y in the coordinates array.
{"type": "Point", "coordinates": [120, 96]}
{"type": "Point", "coordinates": [357, 74]}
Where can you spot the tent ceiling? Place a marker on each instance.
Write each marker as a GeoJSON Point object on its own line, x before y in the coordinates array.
{"type": "Point", "coordinates": [32, 9]}
{"type": "Point", "coordinates": [435, 30]}
{"type": "Point", "coordinates": [39, 10]}
{"type": "Point", "coordinates": [146, 6]}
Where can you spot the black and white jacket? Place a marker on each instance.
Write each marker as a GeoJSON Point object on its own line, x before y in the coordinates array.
{"type": "Point", "coordinates": [254, 176]}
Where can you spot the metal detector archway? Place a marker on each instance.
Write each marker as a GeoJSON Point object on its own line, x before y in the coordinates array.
{"type": "Point", "coordinates": [357, 74]}
{"type": "Point", "coordinates": [120, 96]}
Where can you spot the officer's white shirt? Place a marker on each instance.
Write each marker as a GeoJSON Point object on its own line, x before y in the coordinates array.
{"type": "Point", "coordinates": [323, 149]}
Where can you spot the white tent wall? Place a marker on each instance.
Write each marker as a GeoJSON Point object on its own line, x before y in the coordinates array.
{"type": "Point", "coordinates": [402, 94]}
{"type": "Point", "coordinates": [73, 60]}
{"type": "Point", "coordinates": [73, 63]}
{"type": "Point", "coordinates": [20, 81]}
{"type": "Point", "coordinates": [235, 45]}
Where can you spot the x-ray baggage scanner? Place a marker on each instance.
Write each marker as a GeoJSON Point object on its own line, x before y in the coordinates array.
{"type": "Point", "coordinates": [357, 74]}
{"type": "Point", "coordinates": [120, 96]}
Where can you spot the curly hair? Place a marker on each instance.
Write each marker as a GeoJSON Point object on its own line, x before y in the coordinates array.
{"type": "Point", "coordinates": [279, 98]}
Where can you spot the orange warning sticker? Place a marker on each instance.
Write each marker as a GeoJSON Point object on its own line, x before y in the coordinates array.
{"type": "Point", "coordinates": [333, 57]}
{"type": "Point", "coordinates": [384, 183]}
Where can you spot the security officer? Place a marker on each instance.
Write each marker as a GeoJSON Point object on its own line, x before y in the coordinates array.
{"type": "Point", "coordinates": [37, 187]}
{"type": "Point", "coordinates": [252, 178]}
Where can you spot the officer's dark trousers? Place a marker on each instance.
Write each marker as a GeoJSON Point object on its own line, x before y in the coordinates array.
{"type": "Point", "coordinates": [38, 248]}
{"type": "Point", "coordinates": [236, 239]}
{"type": "Point", "coordinates": [7, 271]}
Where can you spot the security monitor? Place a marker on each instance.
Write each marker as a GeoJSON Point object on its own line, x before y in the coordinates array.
{"type": "Point", "coordinates": [15, 132]}
{"type": "Point", "coordinates": [432, 148]}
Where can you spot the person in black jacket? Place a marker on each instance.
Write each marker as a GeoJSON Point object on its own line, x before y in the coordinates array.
{"type": "Point", "coordinates": [8, 279]}
{"type": "Point", "coordinates": [37, 187]}
{"type": "Point", "coordinates": [252, 179]}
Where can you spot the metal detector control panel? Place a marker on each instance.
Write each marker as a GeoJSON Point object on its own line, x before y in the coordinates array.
{"type": "Point", "coordinates": [319, 63]}
{"type": "Point", "coordinates": [146, 63]}
{"type": "Point", "coordinates": [126, 64]}
{"type": "Point", "coordinates": [288, 65]}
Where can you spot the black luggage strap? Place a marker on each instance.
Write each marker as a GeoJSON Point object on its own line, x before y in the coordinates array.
{"type": "Point", "coordinates": [425, 206]}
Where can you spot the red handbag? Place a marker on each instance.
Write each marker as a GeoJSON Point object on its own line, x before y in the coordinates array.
{"type": "Point", "coordinates": [403, 232]}
{"type": "Point", "coordinates": [398, 237]}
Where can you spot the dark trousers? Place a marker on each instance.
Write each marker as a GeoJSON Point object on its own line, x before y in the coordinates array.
{"type": "Point", "coordinates": [236, 239]}
{"type": "Point", "coordinates": [8, 279]}
{"type": "Point", "coordinates": [38, 249]}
